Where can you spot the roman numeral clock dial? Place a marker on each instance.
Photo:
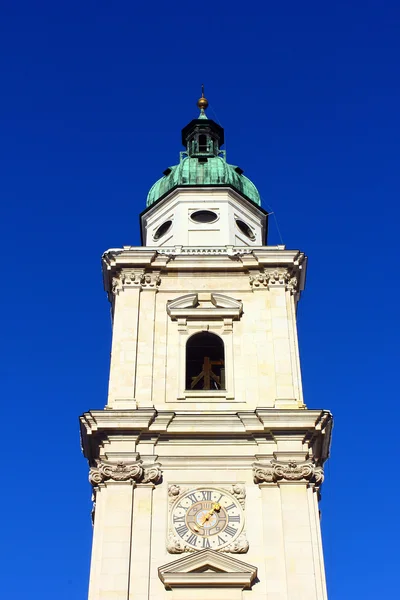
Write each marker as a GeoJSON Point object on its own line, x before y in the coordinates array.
{"type": "Point", "coordinates": [207, 518]}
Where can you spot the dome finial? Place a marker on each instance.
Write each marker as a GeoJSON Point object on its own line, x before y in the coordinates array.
{"type": "Point", "coordinates": [202, 103]}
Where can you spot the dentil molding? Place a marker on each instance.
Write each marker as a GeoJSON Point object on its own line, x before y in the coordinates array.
{"type": "Point", "coordinates": [275, 471]}
{"type": "Point", "coordinates": [134, 472]}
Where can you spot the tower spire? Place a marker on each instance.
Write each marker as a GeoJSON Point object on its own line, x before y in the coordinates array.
{"type": "Point", "coordinates": [202, 104]}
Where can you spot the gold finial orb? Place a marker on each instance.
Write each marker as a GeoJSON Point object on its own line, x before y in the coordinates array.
{"type": "Point", "coordinates": [202, 102]}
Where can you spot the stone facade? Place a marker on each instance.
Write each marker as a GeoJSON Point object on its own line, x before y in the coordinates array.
{"type": "Point", "coordinates": [150, 335]}
{"type": "Point", "coordinates": [155, 436]}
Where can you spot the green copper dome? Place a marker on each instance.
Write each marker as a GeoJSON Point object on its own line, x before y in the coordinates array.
{"type": "Point", "coordinates": [214, 172]}
{"type": "Point", "coordinates": [203, 163]}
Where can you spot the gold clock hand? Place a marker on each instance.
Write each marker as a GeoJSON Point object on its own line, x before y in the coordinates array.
{"type": "Point", "coordinates": [207, 516]}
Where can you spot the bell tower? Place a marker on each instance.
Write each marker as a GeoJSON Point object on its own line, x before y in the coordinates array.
{"type": "Point", "coordinates": [206, 464]}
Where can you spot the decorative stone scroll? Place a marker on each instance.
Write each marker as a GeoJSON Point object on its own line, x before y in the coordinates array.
{"type": "Point", "coordinates": [274, 278]}
{"type": "Point", "coordinates": [134, 278]}
{"type": "Point", "coordinates": [121, 471]}
{"type": "Point", "coordinates": [276, 471]}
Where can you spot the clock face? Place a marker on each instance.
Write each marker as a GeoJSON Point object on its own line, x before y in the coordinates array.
{"type": "Point", "coordinates": [207, 518]}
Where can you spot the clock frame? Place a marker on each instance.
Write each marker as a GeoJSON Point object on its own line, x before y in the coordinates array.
{"type": "Point", "coordinates": [206, 517]}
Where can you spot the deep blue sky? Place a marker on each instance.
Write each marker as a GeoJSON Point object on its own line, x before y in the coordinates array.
{"type": "Point", "coordinates": [93, 97]}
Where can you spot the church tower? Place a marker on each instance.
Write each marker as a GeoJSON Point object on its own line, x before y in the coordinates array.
{"type": "Point", "coordinates": [205, 463]}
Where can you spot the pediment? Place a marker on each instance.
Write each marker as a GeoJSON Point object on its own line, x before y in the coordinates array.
{"type": "Point", "coordinates": [207, 568]}
{"type": "Point", "coordinates": [204, 306]}
{"type": "Point", "coordinates": [222, 301]}
{"type": "Point", "coordinates": [186, 301]}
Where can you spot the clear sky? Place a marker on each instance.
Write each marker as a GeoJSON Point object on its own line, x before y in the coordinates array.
{"type": "Point", "coordinates": [93, 97]}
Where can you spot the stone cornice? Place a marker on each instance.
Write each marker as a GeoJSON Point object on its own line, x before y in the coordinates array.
{"type": "Point", "coordinates": [105, 471]}
{"type": "Point", "coordinates": [262, 429]}
{"type": "Point", "coordinates": [261, 419]}
{"type": "Point", "coordinates": [260, 261]}
{"type": "Point", "coordinates": [276, 471]}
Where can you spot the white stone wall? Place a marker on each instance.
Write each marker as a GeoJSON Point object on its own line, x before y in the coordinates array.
{"type": "Point", "coordinates": [148, 348]}
{"type": "Point", "coordinates": [256, 433]}
{"type": "Point", "coordinates": [282, 527]}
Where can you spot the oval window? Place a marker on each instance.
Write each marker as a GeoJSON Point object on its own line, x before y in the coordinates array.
{"type": "Point", "coordinates": [204, 216]}
{"type": "Point", "coordinates": [162, 230]}
{"type": "Point", "coordinates": [244, 228]}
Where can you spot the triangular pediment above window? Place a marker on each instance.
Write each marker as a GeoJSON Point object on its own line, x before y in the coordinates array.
{"type": "Point", "coordinates": [210, 306]}
{"type": "Point", "coordinates": [207, 568]}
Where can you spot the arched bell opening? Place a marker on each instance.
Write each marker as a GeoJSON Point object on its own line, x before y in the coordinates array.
{"type": "Point", "coordinates": [205, 362]}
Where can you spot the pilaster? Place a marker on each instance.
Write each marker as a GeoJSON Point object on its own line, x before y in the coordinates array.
{"type": "Point", "coordinates": [140, 558]}
{"type": "Point", "coordinates": [274, 542]}
{"type": "Point", "coordinates": [111, 541]}
{"type": "Point", "coordinates": [145, 348]}
{"type": "Point", "coordinates": [125, 293]}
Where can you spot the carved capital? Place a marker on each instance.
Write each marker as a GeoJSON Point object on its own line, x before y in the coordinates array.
{"type": "Point", "coordinates": [134, 472]}
{"type": "Point", "coordinates": [270, 278]}
{"type": "Point", "coordinates": [134, 278]}
{"type": "Point", "coordinates": [152, 474]}
{"type": "Point", "coordinates": [151, 280]}
{"type": "Point", "coordinates": [276, 471]}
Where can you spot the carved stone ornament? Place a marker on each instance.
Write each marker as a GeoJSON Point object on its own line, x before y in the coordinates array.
{"type": "Point", "coordinates": [173, 492]}
{"type": "Point", "coordinates": [239, 491]}
{"type": "Point", "coordinates": [175, 545]}
{"type": "Point", "coordinates": [274, 278]}
{"type": "Point", "coordinates": [121, 471]}
{"type": "Point", "coordinates": [134, 278]}
{"type": "Point", "coordinates": [239, 546]}
{"type": "Point", "coordinates": [275, 471]}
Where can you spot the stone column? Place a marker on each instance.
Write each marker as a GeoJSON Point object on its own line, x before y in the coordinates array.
{"type": "Point", "coordinates": [282, 285]}
{"type": "Point", "coordinates": [273, 542]}
{"type": "Point", "coordinates": [282, 350]}
{"type": "Point", "coordinates": [111, 541]}
{"type": "Point", "coordinates": [301, 575]}
{"type": "Point", "coordinates": [293, 485]}
{"type": "Point", "coordinates": [126, 290]}
{"type": "Point", "coordinates": [294, 346]}
{"type": "Point", "coordinates": [122, 536]}
{"type": "Point", "coordinates": [140, 559]}
{"type": "Point", "coordinates": [320, 578]}
{"type": "Point", "coordinates": [145, 345]}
